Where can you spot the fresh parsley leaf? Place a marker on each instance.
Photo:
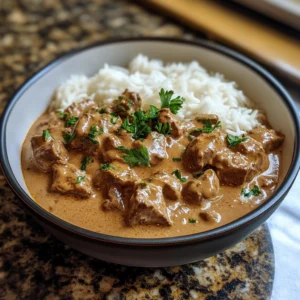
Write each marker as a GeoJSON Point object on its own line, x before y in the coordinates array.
{"type": "Point", "coordinates": [163, 128]}
{"type": "Point", "coordinates": [255, 191]}
{"type": "Point", "coordinates": [71, 121]}
{"type": "Point", "coordinates": [234, 141]}
{"type": "Point", "coordinates": [176, 159]}
{"type": "Point", "coordinates": [143, 184]}
{"type": "Point", "coordinates": [114, 118]}
{"type": "Point", "coordinates": [197, 175]}
{"type": "Point", "coordinates": [208, 127]}
{"type": "Point", "coordinates": [136, 156]}
{"type": "Point", "coordinates": [192, 221]}
{"type": "Point", "coordinates": [153, 112]}
{"type": "Point", "coordinates": [137, 124]}
{"type": "Point", "coordinates": [47, 136]}
{"type": "Point", "coordinates": [190, 137]}
{"type": "Point", "coordinates": [177, 173]}
{"type": "Point", "coordinates": [80, 179]}
{"type": "Point", "coordinates": [61, 115]}
{"type": "Point", "coordinates": [102, 111]}
{"type": "Point", "coordinates": [68, 137]}
{"type": "Point", "coordinates": [85, 161]}
{"type": "Point", "coordinates": [105, 167]}
{"type": "Point", "coordinates": [167, 102]}
{"type": "Point", "coordinates": [94, 132]}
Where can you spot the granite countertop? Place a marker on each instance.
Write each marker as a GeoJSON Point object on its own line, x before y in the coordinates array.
{"type": "Point", "coordinates": [33, 264]}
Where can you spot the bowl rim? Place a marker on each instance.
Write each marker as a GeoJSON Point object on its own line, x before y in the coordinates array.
{"type": "Point", "coordinates": [275, 199]}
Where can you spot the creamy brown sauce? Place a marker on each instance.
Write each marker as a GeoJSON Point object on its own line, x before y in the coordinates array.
{"type": "Point", "coordinates": [88, 213]}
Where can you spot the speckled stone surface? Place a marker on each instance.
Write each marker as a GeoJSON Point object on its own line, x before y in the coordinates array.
{"type": "Point", "coordinates": [33, 264]}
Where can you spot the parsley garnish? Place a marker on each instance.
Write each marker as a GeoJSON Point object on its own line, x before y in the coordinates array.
{"type": "Point", "coordinates": [102, 111]}
{"type": "Point", "coordinates": [114, 118]}
{"type": "Point", "coordinates": [255, 191]}
{"type": "Point", "coordinates": [190, 137]}
{"type": "Point", "coordinates": [137, 124]}
{"type": "Point", "coordinates": [62, 115]}
{"type": "Point", "coordinates": [177, 173]}
{"type": "Point", "coordinates": [47, 136]}
{"type": "Point", "coordinates": [94, 131]}
{"type": "Point", "coordinates": [173, 104]}
{"type": "Point", "coordinates": [197, 175]}
{"type": "Point", "coordinates": [71, 121]}
{"type": "Point", "coordinates": [68, 137]}
{"type": "Point", "coordinates": [153, 112]}
{"type": "Point", "coordinates": [80, 179]}
{"type": "Point", "coordinates": [85, 161]}
{"type": "Point", "coordinates": [192, 221]}
{"type": "Point", "coordinates": [208, 127]}
{"type": "Point", "coordinates": [163, 128]}
{"type": "Point", "coordinates": [105, 167]}
{"type": "Point", "coordinates": [176, 158]}
{"type": "Point", "coordinates": [143, 184]}
{"type": "Point", "coordinates": [136, 156]}
{"type": "Point", "coordinates": [234, 141]}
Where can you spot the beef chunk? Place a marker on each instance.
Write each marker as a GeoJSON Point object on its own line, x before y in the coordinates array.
{"type": "Point", "coordinates": [47, 153]}
{"type": "Point", "coordinates": [108, 151]}
{"type": "Point", "coordinates": [126, 104]}
{"type": "Point", "coordinates": [206, 187]}
{"type": "Point", "coordinates": [147, 207]}
{"type": "Point", "coordinates": [118, 184]}
{"type": "Point", "coordinates": [89, 130]}
{"type": "Point", "coordinates": [68, 179]}
{"type": "Point", "coordinates": [79, 108]}
{"type": "Point", "coordinates": [203, 117]}
{"type": "Point", "coordinates": [166, 116]}
{"type": "Point", "coordinates": [156, 145]}
{"type": "Point", "coordinates": [171, 187]}
{"type": "Point", "coordinates": [210, 216]}
{"type": "Point", "coordinates": [269, 138]}
{"type": "Point", "coordinates": [234, 168]}
{"type": "Point", "coordinates": [201, 151]}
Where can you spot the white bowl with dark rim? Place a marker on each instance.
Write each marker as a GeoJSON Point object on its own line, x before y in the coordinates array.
{"type": "Point", "coordinates": [32, 99]}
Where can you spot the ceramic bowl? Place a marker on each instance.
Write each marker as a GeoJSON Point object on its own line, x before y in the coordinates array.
{"type": "Point", "coordinates": [32, 99]}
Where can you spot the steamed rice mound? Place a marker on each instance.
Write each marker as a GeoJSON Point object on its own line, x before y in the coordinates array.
{"type": "Point", "coordinates": [203, 92]}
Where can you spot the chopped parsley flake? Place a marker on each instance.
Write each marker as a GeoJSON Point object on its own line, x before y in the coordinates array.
{"type": "Point", "coordinates": [80, 179]}
{"type": "Point", "coordinates": [167, 102]}
{"type": "Point", "coordinates": [136, 156]}
{"type": "Point", "coordinates": [234, 141]}
{"type": "Point", "coordinates": [143, 184]}
{"type": "Point", "coordinates": [105, 167]}
{"type": "Point", "coordinates": [197, 175]}
{"type": "Point", "coordinates": [163, 128]}
{"type": "Point", "coordinates": [71, 121]}
{"type": "Point", "coordinates": [153, 112]}
{"type": "Point", "coordinates": [47, 136]}
{"type": "Point", "coordinates": [192, 221]}
{"type": "Point", "coordinates": [69, 137]}
{"type": "Point", "coordinates": [255, 191]}
{"type": "Point", "coordinates": [176, 159]}
{"type": "Point", "coordinates": [177, 173]}
{"type": "Point", "coordinates": [208, 127]}
{"type": "Point", "coordinates": [114, 118]}
{"type": "Point", "coordinates": [94, 132]}
{"type": "Point", "coordinates": [102, 111]}
{"type": "Point", "coordinates": [85, 161]}
{"type": "Point", "coordinates": [61, 115]}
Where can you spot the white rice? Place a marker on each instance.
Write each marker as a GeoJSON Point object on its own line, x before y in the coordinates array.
{"type": "Point", "coordinates": [203, 92]}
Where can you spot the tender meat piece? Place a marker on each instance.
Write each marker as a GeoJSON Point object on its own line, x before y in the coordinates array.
{"type": "Point", "coordinates": [166, 116]}
{"type": "Point", "coordinates": [209, 184]}
{"type": "Point", "coordinates": [206, 187]}
{"type": "Point", "coordinates": [269, 138]}
{"type": "Point", "coordinates": [210, 216]}
{"type": "Point", "coordinates": [202, 117]}
{"type": "Point", "coordinates": [126, 104]}
{"type": "Point", "coordinates": [234, 168]}
{"type": "Point", "coordinates": [118, 184]}
{"type": "Point", "coordinates": [147, 207]}
{"type": "Point", "coordinates": [93, 123]}
{"type": "Point", "coordinates": [108, 151]}
{"type": "Point", "coordinates": [78, 109]}
{"type": "Point", "coordinates": [201, 151]}
{"type": "Point", "coordinates": [47, 153]}
{"type": "Point", "coordinates": [171, 187]}
{"type": "Point", "coordinates": [191, 192]}
{"type": "Point", "coordinates": [65, 181]}
{"type": "Point", "coordinates": [156, 145]}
